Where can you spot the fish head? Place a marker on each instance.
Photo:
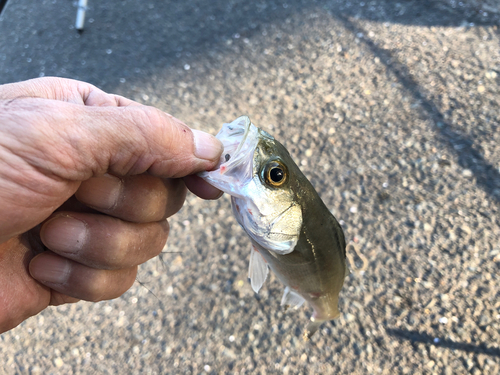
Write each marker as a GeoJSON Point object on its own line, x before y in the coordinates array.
{"type": "Point", "coordinates": [258, 173]}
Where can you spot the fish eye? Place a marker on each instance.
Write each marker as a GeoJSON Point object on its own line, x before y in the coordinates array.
{"type": "Point", "coordinates": [275, 174]}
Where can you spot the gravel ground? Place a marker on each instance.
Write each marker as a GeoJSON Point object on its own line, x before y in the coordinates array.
{"type": "Point", "coordinates": [392, 110]}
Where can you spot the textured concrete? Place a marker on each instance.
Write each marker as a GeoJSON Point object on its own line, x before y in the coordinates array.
{"type": "Point", "coordinates": [391, 108]}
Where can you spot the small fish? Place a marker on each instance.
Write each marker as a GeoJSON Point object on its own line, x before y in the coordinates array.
{"type": "Point", "coordinates": [291, 230]}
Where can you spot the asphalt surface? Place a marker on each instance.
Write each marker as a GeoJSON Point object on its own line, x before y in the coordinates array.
{"type": "Point", "coordinates": [392, 110]}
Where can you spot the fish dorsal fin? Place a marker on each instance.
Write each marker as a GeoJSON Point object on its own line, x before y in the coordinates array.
{"type": "Point", "coordinates": [257, 270]}
{"type": "Point", "coordinates": [292, 299]}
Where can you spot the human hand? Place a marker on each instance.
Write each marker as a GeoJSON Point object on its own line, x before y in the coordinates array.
{"type": "Point", "coordinates": [87, 180]}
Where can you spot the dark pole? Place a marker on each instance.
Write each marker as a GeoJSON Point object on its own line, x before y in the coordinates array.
{"type": "Point", "coordinates": [2, 5]}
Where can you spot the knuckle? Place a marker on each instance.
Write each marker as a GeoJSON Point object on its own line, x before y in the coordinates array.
{"type": "Point", "coordinates": [95, 289]}
{"type": "Point", "coordinates": [117, 255]}
{"type": "Point", "coordinates": [127, 282]}
{"type": "Point", "coordinates": [149, 116]}
{"type": "Point", "coordinates": [165, 231]}
{"type": "Point", "coordinates": [158, 238]}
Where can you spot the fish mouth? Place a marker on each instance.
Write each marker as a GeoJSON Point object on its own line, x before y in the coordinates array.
{"type": "Point", "coordinates": [235, 167]}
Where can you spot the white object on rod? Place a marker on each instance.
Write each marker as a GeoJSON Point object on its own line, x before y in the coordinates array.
{"type": "Point", "coordinates": [80, 14]}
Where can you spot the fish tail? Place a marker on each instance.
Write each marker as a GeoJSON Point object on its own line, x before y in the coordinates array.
{"type": "Point", "coordinates": [317, 320]}
{"type": "Point", "coordinates": [312, 328]}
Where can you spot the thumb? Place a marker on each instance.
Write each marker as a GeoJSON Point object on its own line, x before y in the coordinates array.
{"type": "Point", "coordinates": [76, 142]}
{"type": "Point", "coordinates": [135, 139]}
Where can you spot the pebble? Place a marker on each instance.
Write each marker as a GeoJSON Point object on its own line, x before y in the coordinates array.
{"type": "Point", "coordinates": [467, 173]}
{"type": "Point", "coordinates": [491, 74]}
{"type": "Point", "coordinates": [443, 320]}
{"type": "Point", "coordinates": [350, 318]}
{"type": "Point", "coordinates": [484, 320]}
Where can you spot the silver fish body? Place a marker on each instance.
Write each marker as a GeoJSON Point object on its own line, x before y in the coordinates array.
{"type": "Point", "coordinates": [291, 229]}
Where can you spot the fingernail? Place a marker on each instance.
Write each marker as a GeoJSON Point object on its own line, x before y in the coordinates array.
{"type": "Point", "coordinates": [219, 195]}
{"type": "Point", "coordinates": [101, 192]}
{"type": "Point", "coordinates": [49, 268]}
{"type": "Point", "coordinates": [206, 145]}
{"type": "Point", "coordinates": [64, 234]}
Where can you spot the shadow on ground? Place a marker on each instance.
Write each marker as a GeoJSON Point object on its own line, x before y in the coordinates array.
{"type": "Point", "coordinates": [416, 337]}
{"type": "Point", "coordinates": [468, 154]}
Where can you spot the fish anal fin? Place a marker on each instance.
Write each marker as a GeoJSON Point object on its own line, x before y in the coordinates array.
{"type": "Point", "coordinates": [291, 299]}
{"type": "Point", "coordinates": [257, 270]}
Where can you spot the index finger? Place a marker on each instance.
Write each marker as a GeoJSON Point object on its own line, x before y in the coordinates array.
{"type": "Point", "coordinates": [201, 188]}
{"type": "Point", "coordinates": [138, 199]}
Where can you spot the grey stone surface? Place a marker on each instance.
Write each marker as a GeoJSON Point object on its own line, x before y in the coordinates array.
{"type": "Point", "coordinates": [391, 108]}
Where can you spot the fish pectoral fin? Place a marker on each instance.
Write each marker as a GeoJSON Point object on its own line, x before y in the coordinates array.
{"type": "Point", "coordinates": [257, 270]}
{"type": "Point", "coordinates": [291, 299]}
